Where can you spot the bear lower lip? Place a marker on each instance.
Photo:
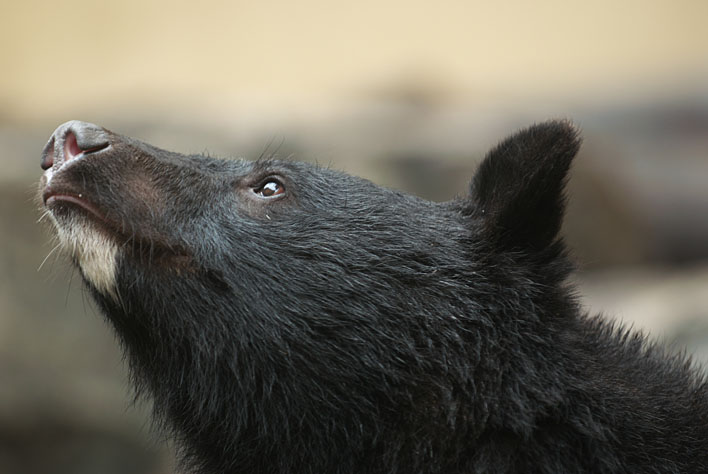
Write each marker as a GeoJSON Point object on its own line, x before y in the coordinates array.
{"type": "Point", "coordinates": [52, 199]}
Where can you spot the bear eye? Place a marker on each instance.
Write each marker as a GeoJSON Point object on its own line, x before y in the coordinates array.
{"type": "Point", "coordinates": [270, 189]}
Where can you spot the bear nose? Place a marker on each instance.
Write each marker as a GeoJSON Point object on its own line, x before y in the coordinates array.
{"type": "Point", "coordinates": [72, 139]}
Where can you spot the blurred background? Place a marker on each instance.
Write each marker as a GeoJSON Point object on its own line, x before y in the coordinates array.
{"type": "Point", "coordinates": [408, 94]}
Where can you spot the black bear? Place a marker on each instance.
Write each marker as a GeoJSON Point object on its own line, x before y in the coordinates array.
{"type": "Point", "coordinates": [287, 318]}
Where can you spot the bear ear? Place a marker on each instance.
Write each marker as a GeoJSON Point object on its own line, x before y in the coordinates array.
{"type": "Point", "coordinates": [518, 190]}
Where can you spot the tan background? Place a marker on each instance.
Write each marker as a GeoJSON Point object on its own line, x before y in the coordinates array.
{"type": "Point", "coordinates": [76, 56]}
{"type": "Point", "coordinates": [409, 94]}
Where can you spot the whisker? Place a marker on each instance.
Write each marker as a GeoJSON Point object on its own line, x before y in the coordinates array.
{"type": "Point", "coordinates": [44, 214]}
{"type": "Point", "coordinates": [68, 287]}
{"type": "Point", "coordinates": [265, 149]}
{"type": "Point", "coordinates": [48, 255]}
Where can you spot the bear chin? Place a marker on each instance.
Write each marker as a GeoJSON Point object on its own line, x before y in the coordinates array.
{"type": "Point", "coordinates": [93, 250]}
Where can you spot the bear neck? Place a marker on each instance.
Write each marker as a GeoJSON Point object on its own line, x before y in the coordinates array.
{"type": "Point", "coordinates": [238, 399]}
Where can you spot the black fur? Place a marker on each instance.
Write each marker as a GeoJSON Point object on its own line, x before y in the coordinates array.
{"type": "Point", "coordinates": [347, 328]}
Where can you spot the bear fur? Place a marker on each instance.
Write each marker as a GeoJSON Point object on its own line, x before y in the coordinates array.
{"type": "Point", "coordinates": [287, 318]}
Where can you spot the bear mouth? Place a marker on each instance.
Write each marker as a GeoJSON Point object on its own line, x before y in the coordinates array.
{"type": "Point", "coordinates": [63, 202]}
{"type": "Point", "coordinates": [53, 199]}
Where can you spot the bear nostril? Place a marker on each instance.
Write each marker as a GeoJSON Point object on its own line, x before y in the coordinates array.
{"type": "Point", "coordinates": [72, 139]}
{"type": "Point", "coordinates": [87, 137]}
{"type": "Point", "coordinates": [48, 155]}
{"type": "Point", "coordinates": [71, 148]}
